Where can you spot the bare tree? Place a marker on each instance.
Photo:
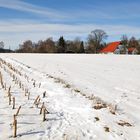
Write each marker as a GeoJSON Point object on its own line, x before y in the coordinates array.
{"type": "Point", "coordinates": [47, 46]}
{"type": "Point", "coordinates": [2, 45]}
{"type": "Point", "coordinates": [26, 47]}
{"type": "Point", "coordinates": [133, 42]}
{"type": "Point", "coordinates": [95, 39]}
{"type": "Point", "coordinates": [75, 46]}
{"type": "Point", "coordinates": [138, 47]}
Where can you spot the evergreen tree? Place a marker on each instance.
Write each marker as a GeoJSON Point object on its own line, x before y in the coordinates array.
{"type": "Point", "coordinates": [81, 49]}
{"type": "Point", "coordinates": [61, 45]}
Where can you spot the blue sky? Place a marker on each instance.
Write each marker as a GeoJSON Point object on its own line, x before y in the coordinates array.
{"type": "Point", "coordinates": [39, 19]}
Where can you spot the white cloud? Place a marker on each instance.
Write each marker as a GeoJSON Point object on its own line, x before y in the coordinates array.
{"type": "Point", "coordinates": [27, 7]}
{"type": "Point", "coordinates": [88, 13]}
{"type": "Point", "coordinates": [93, 12]}
{"type": "Point", "coordinates": [32, 27]}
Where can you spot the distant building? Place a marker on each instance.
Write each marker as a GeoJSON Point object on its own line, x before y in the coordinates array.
{"type": "Point", "coordinates": [118, 48]}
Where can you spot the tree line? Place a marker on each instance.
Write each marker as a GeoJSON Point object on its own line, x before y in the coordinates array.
{"type": "Point", "coordinates": [94, 43]}
{"type": "Point", "coordinates": [51, 46]}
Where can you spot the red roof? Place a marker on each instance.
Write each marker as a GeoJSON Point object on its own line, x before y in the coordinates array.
{"type": "Point", "coordinates": [131, 49]}
{"type": "Point", "coordinates": [111, 47]}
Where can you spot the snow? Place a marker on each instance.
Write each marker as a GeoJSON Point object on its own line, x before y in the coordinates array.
{"type": "Point", "coordinates": [70, 81]}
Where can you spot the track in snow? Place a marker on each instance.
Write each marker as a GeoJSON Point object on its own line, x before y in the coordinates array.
{"type": "Point", "coordinates": [71, 115]}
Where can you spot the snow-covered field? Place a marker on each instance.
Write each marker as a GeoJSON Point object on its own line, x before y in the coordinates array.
{"type": "Point", "coordinates": [88, 97]}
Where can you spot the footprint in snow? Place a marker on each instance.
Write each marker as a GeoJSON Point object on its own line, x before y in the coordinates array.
{"type": "Point", "coordinates": [124, 95]}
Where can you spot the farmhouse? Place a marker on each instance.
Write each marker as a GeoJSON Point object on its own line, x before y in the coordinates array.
{"type": "Point", "coordinates": [118, 48]}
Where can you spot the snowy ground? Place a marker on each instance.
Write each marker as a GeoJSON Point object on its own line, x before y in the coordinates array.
{"type": "Point", "coordinates": [75, 86]}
